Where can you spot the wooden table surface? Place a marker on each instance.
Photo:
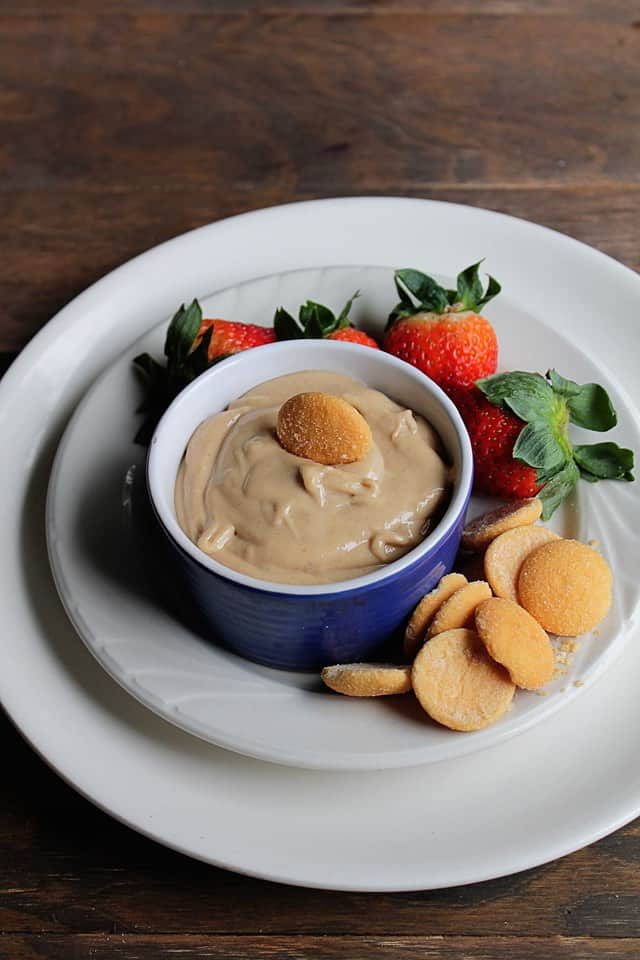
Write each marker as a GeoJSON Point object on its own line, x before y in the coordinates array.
{"type": "Point", "coordinates": [125, 122]}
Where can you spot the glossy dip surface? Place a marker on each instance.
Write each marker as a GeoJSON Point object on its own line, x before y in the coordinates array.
{"type": "Point", "coordinates": [251, 505]}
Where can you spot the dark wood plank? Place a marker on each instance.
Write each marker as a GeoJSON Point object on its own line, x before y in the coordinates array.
{"type": "Point", "coordinates": [67, 239]}
{"type": "Point", "coordinates": [128, 947]}
{"type": "Point", "coordinates": [165, 100]}
{"type": "Point", "coordinates": [605, 9]}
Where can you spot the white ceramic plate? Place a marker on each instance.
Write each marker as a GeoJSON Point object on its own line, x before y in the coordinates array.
{"type": "Point", "coordinates": [557, 787]}
{"type": "Point", "coordinates": [104, 566]}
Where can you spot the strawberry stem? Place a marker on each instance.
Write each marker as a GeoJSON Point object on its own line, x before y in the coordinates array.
{"type": "Point", "coordinates": [420, 293]}
{"type": "Point", "coordinates": [315, 321]}
{"type": "Point", "coordinates": [187, 357]}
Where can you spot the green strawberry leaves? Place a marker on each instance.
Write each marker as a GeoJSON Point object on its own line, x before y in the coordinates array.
{"type": "Point", "coordinates": [182, 333]}
{"type": "Point", "coordinates": [469, 292]}
{"type": "Point", "coordinates": [547, 405]}
{"type": "Point", "coordinates": [197, 361]}
{"type": "Point", "coordinates": [420, 293]}
{"type": "Point", "coordinates": [317, 320]}
{"type": "Point", "coordinates": [429, 294]}
{"type": "Point", "coordinates": [557, 488]}
{"type": "Point", "coordinates": [286, 328]}
{"type": "Point", "coordinates": [539, 447]}
{"type": "Point", "coordinates": [528, 395]}
{"type": "Point", "coordinates": [314, 322]}
{"type": "Point", "coordinates": [589, 405]}
{"type": "Point", "coordinates": [604, 461]}
{"type": "Point", "coordinates": [184, 363]}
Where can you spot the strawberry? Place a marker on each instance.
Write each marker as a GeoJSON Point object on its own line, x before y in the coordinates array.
{"type": "Point", "coordinates": [493, 433]}
{"type": "Point", "coordinates": [441, 331]}
{"type": "Point", "coordinates": [318, 322]}
{"type": "Point", "coordinates": [191, 346]}
{"type": "Point", "coordinates": [518, 424]}
{"type": "Point", "coordinates": [228, 336]}
{"type": "Point", "coordinates": [351, 335]}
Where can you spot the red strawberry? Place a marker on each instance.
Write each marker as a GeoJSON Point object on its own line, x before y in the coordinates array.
{"type": "Point", "coordinates": [318, 322]}
{"type": "Point", "coordinates": [493, 433]}
{"type": "Point", "coordinates": [518, 424]}
{"type": "Point", "coordinates": [228, 336]}
{"type": "Point", "coordinates": [351, 335]}
{"type": "Point", "coordinates": [443, 334]}
{"type": "Point", "coordinates": [192, 344]}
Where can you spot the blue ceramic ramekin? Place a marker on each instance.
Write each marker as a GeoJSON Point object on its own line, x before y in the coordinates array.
{"type": "Point", "coordinates": [305, 627]}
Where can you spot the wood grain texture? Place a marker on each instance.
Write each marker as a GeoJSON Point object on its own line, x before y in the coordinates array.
{"type": "Point", "coordinates": [166, 100]}
{"type": "Point", "coordinates": [126, 122]}
{"type": "Point", "coordinates": [605, 9]}
{"type": "Point", "coordinates": [132, 947]}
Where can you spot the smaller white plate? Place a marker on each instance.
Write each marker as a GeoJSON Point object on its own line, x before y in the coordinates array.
{"type": "Point", "coordinates": [99, 544]}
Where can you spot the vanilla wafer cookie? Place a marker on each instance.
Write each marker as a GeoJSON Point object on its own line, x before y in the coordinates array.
{"type": "Point", "coordinates": [566, 586]}
{"type": "Point", "coordinates": [479, 532]}
{"type": "Point", "coordinates": [367, 679]}
{"type": "Point", "coordinates": [323, 428]}
{"type": "Point", "coordinates": [425, 611]}
{"type": "Point", "coordinates": [458, 684]}
{"type": "Point", "coordinates": [517, 641]}
{"type": "Point", "coordinates": [505, 556]}
{"type": "Point", "coordinates": [458, 610]}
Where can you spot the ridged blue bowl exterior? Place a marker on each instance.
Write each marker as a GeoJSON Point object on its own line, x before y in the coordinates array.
{"type": "Point", "coordinates": [293, 632]}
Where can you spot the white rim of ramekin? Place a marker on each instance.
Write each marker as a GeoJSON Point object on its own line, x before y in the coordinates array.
{"type": "Point", "coordinates": [169, 522]}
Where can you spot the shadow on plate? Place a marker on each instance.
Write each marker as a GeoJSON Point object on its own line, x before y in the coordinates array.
{"type": "Point", "coordinates": [62, 641]}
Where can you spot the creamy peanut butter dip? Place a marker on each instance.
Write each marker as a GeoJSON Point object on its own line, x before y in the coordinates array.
{"type": "Point", "coordinates": [243, 500]}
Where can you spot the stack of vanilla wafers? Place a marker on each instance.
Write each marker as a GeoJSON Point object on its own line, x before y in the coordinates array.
{"type": "Point", "coordinates": [471, 643]}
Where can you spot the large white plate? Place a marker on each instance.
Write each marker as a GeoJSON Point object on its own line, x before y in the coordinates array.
{"type": "Point", "coordinates": [557, 787]}
{"type": "Point", "coordinates": [103, 559]}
